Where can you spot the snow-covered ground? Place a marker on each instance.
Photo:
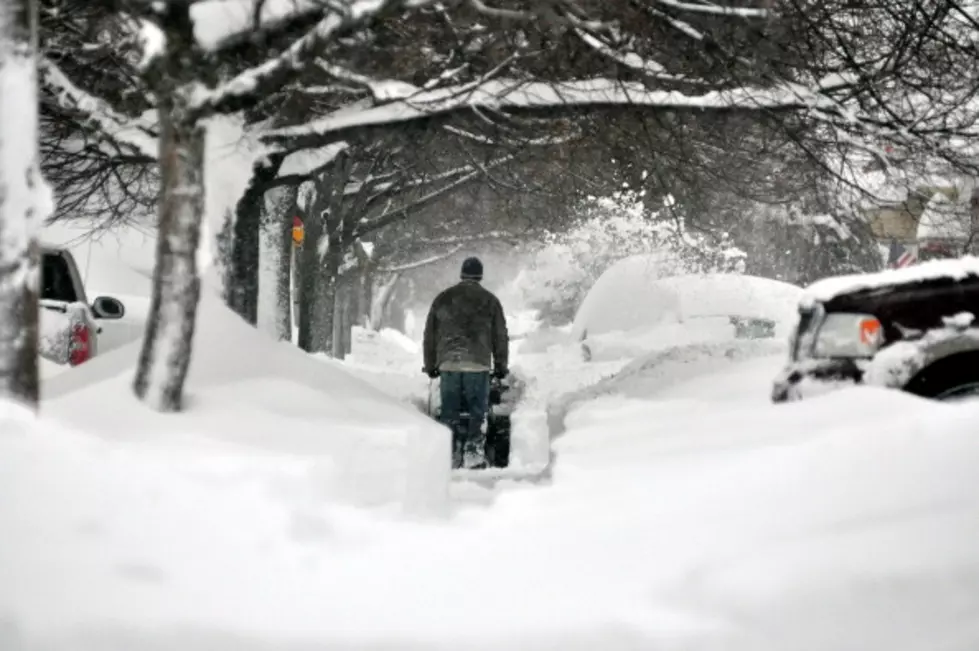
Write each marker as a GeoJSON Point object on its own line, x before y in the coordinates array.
{"type": "Point", "coordinates": [847, 522]}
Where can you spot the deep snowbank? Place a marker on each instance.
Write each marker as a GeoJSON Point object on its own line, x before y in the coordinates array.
{"type": "Point", "coordinates": [847, 522]}
{"type": "Point", "coordinates": [714, 371]}
{"type": "Point", "coordinates": [248, 395]}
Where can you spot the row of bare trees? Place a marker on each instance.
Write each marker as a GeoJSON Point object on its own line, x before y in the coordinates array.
{"type": "Point", "coordinates": [403, 105]}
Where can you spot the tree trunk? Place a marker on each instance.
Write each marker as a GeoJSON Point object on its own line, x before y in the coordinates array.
{"type": "Point", "coordinates": [350, 316]}
{"type": "Point", "coordinates": [167, 345]}
{"type": "Point", "coordinates": [395, 317]}
{"type": "Point", "coordinates": [365, 296]}
{"type": "Point", "coordinates": [344, 315]}
{"type": "Point", "coordinates": [328, 278]}
{"type": "Point", "coordinates": [283, 277]}
{"type": "Point", "coordinates": [380, 298]}
{"type": "Point", "coordinates": [337, 335]}
{"type": "Point", "coordinates": [275, 283]}
{"type": "Point", "coordinates": [307, 266]}
{"type": "Point", "coordinates": [324, 316]}
{"type": "Point", "coordinates": [241, 274]}
{"type": "Point", "coordinates": [165, 357]}
{"type": "Point", "coordinates": [24, 202]}
{"type": "Point", "coordinates": [318, 295]}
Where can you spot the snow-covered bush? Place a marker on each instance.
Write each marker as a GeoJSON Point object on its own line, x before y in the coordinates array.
{"type": "Point", "coordinates": [565, 265]}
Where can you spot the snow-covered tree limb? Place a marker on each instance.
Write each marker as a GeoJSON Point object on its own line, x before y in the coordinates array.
{"type": "Point", "coordinates": [137, 137]}
{"type": "Point", "coordinates": [403, 212]}
{"type": "Point", "coordinates": [417, 264]}
{"type": "Point", "coordinates": [632, 61]}
{"type": "Point", "coordinates": [262, 27]}
{"type": "Point", "coordinates": [250, 85]}
{"type": "Point", "coordinates": [504, 94]}
{"type": "Point", "coordinates": [305, 165]}
{"type": "Point", "coordinates": [462, 240]}
{"type": "Point", "coordinates": [380, 89]}
{"type": "Point", "coordinates": [715, 9]}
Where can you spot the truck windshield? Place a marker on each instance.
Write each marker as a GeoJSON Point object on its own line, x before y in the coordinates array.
{"type": "Point", "coordinates": [56, 282]}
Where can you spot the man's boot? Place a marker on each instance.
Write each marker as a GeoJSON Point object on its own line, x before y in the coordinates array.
{"type": "Point", "coordinates": [458, 442]}
{"type": "Point", "coordinates": [474, 449]}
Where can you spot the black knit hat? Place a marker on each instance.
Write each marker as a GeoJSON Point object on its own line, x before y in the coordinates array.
{"type": "Point", "coordinates": [472, 269]}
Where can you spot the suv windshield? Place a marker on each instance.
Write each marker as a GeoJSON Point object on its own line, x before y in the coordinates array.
{"type": "Point", "coordinates": [56, 282]}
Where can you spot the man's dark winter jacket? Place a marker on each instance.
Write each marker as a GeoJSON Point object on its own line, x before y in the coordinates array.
{"type": "Point", "coordinates": [466, 330]}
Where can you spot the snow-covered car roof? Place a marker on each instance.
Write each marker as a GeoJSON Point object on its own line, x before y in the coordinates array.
{"type": "Point", "coordinates": [829, 288]}
{"type": "Point", "coordinates": [629, 295]}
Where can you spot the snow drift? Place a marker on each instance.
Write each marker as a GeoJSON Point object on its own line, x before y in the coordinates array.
{"type": "Point", "coordinates": [249, 395]}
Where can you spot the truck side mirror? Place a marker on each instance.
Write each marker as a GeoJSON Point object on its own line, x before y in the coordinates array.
{"type": "Point", "coordinates": [106, 307]}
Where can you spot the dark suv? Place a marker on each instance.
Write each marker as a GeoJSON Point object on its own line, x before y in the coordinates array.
{"type": "Point", "coordinates": [915, 329]}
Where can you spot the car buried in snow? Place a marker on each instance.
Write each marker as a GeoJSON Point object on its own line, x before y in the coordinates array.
{"type": "Point", "coordinates": [632, 311]}
{"type": "Point", "coordinates": [69, 325]}
{"type": "Point", "coordinates": [913, 329]}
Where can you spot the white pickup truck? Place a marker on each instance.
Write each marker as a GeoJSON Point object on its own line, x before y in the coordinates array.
{"type": "Point", "coordinates": [69, 325]}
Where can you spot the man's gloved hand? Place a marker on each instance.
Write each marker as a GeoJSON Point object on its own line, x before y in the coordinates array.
{"type": "Point", "coordinates": [431, 372]}
{"type": "Point", "coordinates": [500, 373]}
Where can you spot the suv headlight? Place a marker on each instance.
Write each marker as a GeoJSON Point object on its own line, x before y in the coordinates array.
{"type": "Point", "coordinates": [848, 335]}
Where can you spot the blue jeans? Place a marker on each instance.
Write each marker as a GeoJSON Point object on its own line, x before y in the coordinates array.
{"type": "Point", "coordinates": [465, 393]}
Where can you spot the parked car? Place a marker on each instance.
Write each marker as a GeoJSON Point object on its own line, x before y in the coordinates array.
{"type": "Point", "coordinates": [630, 312]}
{"type": "Point", "coordinates": [69, 325]}
{"type": "Point", "coordinates": [912, 329]}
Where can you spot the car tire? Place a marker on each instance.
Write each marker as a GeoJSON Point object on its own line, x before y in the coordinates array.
{"type": "Point", "coordinates": [950, 378]}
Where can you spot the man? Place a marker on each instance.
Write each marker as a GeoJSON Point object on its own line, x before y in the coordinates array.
{"type": "Point", "coordinates": [465, 338]}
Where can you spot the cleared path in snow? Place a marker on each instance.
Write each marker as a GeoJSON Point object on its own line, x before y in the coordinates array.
{"type": "Point", "coordinates": [558, 381]}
